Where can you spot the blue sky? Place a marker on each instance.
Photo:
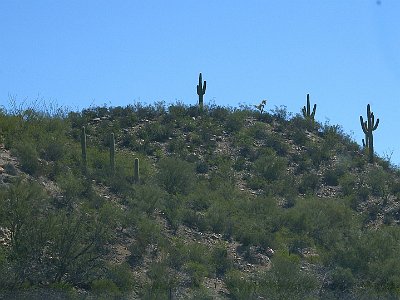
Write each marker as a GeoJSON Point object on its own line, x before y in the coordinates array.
{"type": "Point", "coordinates": [345, 53]}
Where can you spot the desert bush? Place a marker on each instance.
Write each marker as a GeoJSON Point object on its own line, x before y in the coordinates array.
{"type": "Point", "coordinates": [155, 132]}
{"type": "Point", "coordinates": [377, 180]}
{"type": "Point", "coordinates": [318, 153]}
{"type": "Point", "coordinates": [54, 151]}
{"type": "Point", "coordinates": [309, 183]}
{"type": "Point", "coordinates": [342, 279]}
{"type": "Point", "coordinates": [331, 176]}
{"type": "Point", "coordinates": [162, 282]}
{"type": "Point", "coordinates": [239, 286]}
{"type": "Point", "coordinates": [275, 142]}
{"type": "Point", "coordinates": [147, 233]}
{"type": "Point", "coordinates": [235, 121]}
{"type": "Point", "coordinates": [285, 280]}
{"type": "Point", "coordinates": [176, 175]}
{"type": "Point", "coordinates": [105, 288]}
{"type": "Point", "coordinates": [325, 221]}
{"type": "Point", "coordinates": [28, 156]}
{"type": "Point", "coordinates": [299, 137]}
{"type": "Point", "coordinates": [220, 260]}
{"type": "Point", "coordinates": [347, 183]}
{"type": "Point", "coordinates": [270, 167]}
{"type": "Point", "coordinates": [197, 272]}
{"type": "Point", "coordinates": [122, 276]}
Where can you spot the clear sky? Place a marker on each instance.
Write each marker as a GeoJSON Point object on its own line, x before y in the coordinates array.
{"type": "Point", "coordinates": [345, 53]}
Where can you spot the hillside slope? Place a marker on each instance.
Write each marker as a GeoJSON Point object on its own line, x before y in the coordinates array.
{"type": "Point", "coordinates": [229, 204]}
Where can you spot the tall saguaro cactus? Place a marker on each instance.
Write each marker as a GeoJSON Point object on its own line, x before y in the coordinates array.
{"type": "Point", "coordinates": [112, 154]}
{"type": "Point", "coordinates": [307, 110]}
{"type": "Point", "coordinates": [136, 177]}
{"type": "Point", "coordinates": [201, 90]}
{"type": "Point", "coordinates": [368, 127]}
{"type": "Point", "coordinates": [83, 146]}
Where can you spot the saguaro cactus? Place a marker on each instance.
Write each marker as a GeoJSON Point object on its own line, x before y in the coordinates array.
{"type": "Point", "coordinates": [307, 110]}
{"type": "Point", "coordinates": [368, 127]}
{"type": "Point", "coordinates": [83, 146]}
{"type": "Point", "coordinates": [201, 90]}
{"type": "Point", "coordinates": [365, 141]}
{"type": "Point", "coordinates": [136, 177]}
{"type": "Point", "coordinates": [112, 153]}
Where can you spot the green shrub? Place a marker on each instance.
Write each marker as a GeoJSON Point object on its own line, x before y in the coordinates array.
{"type": "Point", "coordinates": [270, 167]}
{"type": "Point", "coordinates": [221, 260]}
{"type": "Point", "coordinates": [105, 288]}
{"type": "Point", "coordinates": [239, 286]}
{"type": "Point", "coordinates": [122, 276]}
{"type": "Point", "coordinates": [299, 137]}
{"type": "Point", "coordinates": [347, 183]}
{"type": "Point", "coordinates": [162, 282]}
{"type": "Point", "coordinates": [176, 176]}
{"type": "Point", "coordinates": [285, 280]}
{"type": "Point", "coordinates": [54, 151]}
{"type": "Point", "coordinates": [318, 154]}
{"type": "Point", "coordinates": [277, 143]}
{"type": "Point", "coordinates": [197, 272]}
{"type": "Point", "coordinates": [28, 156]}
{"type": "Point", "coordinates": [148, 232]}
{"type": "Point", "coordinates": [309, 183]}
{"type": "Point", "coordinates": [377, 180]}
{"type": "Point", "coordinates": [342, 279]}
{"type": "Point", "coordinates": [235, 121]}
{"type": "Point", "coordinates": [331, 176]}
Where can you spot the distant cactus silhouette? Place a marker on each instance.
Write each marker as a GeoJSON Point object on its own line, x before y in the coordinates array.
{"type": "Point", "coordinates": [201, 90]}
{"type": "Point", "coordinates": [307, 110]}
{"type": "Point", "coordinates": [368, 127]}
{"type": "Point", "coordinates": [136, 177]}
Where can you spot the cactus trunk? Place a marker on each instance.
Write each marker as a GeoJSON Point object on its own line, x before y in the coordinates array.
{"type": "Point", "coordinates": [136, 177]}
{"type": "Point", "coordinates": [368, 127]}
{"type": "Point", "coordinates": [307, 114]}
{"type": "Point", "coordinates": [201, 90]}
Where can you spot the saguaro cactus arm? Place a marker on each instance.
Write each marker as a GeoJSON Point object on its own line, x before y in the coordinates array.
{"type": "Point", "coordinates": [307, 109]}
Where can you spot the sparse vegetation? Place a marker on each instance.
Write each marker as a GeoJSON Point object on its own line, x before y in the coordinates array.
{"type": "Point", "coordinates": [229, 203]}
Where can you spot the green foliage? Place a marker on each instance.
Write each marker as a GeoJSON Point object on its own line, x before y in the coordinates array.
{"type": "Point", "coordinates": [235, 121]}
{"type": "Point", "coordinates": [347, 183]}
{"type": "Point", "coordinates": [235, 172]}
{"type": "Point", "coordinates": [175, 175]}
{"type": "Point", "coordinates": [309, 183]}
{"type": "Point", "coordinates": [220, 259]}
{"type": "Point", "coordinates": [285, 280]}
{"type": "Point", "coordinates": [239, 286]}
{"type": "Point", "coordinates": [28, 156]}
{"type": "Point", "coordinates": [342, 279]}
{"type": "Point", "coordinates": [147, 233]}
{"type": "Point", "coordinates": [332, 175]}
{"type": "Point", "coordinates": [270, 167]}
{"type": "Point", "coordinates": [50, 246]}
{"type": "Point", "coordinates": [162, 282]}
{"type": "Point", "coordinates": [197, 272]}
{"type": "Point", "coordinates": [121, 276]}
